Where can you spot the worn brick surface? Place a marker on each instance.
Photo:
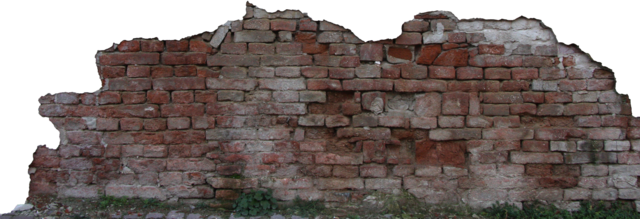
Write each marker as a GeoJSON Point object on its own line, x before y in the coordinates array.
{"type": "Point", "coordinates": [472, 111]}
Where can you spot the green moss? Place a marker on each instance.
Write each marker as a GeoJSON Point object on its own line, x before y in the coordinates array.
{"type": "Point", "coordinates": [587, 211]}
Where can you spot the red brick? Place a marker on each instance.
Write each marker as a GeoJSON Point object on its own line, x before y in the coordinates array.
{"type": "Point", "coordinates": [497, 73]}
{"type": "Point", "coordinates": [178, 123]}
{"type": "Point", "coordinates": [602, 73]}
{"type": "Point", "coordinates": [112, 71]}
{"type": "Point", "coordinates": [413, 71]}
{"type": "Point", "coordinates": [158, 97]}
{"type": "Point", "coordinates": [539, 61]}
{"type": "Point", "coordinates": [464, 86]}
{"type": "Point", "coordinates": [161, 71]}
{"type": "Point", "coordinates": [558, 182]}
{"type": "Point", "coordinates": [308, 25]}
{"type": "Point", "coordinates": [507, 133]}
{"type": "Point", "coordinates": [491, 49]}
{"type": "Point", "coordinates": [454, 57]}
{"type": "Point", "coordinates": [455, 103]}
{"type": "Point", "coordinates": [506, 122]}
{"type": "Point", "coordinates": [131, 124]}
{"type": "Point", "coordinates": [324, 84]}
{"type": "Point", "coordinates": [441, 72]}
{"type": "Point", "coordinates": [428, 53]}
{"type": "Point", "coordinates": [374, 151]}
{"type": "Point", "coordinates": [514, 86]}
{"type": "Point", "coordinates": [490, 157]}
{"type": "Point", "coordinates": [581, 109]}
{"type": "Point", "coordinates": [314, 72]}
{"type": "Point", "coordinates": [129, 58]}
{"type": "Point", "coordinates": [495, 109]}
{"type": "Point", "coordinates": [600, 84]}
{"type": "Point", "coordinates": [133, 97]}
{"type": "Point", "coordinates": [440, 153]}
{"type": "Point", "coordinates": [155, 124]}
{"type": "Point", "coordinates": [407, 38]}
{"type": "Point", "coordinates": [372, 133]}
{"type": "Point", "coordinates": [179, 58]}
{"type": "Point", "coordinates": [341, 73]}
{"type": "Point", "coordinates": [107, 124]}
{"type": "Point", "coordinates": [233, 48]}
{"type": "Point", "coordinates": [557, 97]}
{"type": "Point", "coordinates": [345, 171]}
{"type": "Point", "coordinates": [134, 71]}
{"type": "Point", "coordinates": [289, 48]}
{"type": "Point", "coordinates": [448, 46]}
{"type": "Point", "coordinates": [350, 61]}
{"type": "Point", "coordinates": [488, 86]}
{"type": "Point", "coordinates": [420, 86]}
{"type": "Point", "coordinates": [226, 108]}
{"type": "Point", "coordinates": [535, 146]}
{"type": "Point", "coordinates": [233, 60]}
{"type": "Point", "coordinates": [152, 45]}
{"type": "Point", "coordinates": [468, 73]}
{"type": "Point", "coordinates": [186, 71]}
{"type": "Point", "coordinates": [457, 37]}
{"type": "Point", "coordinates": [615, 121]}
{"type": "Point", "coordinates": [416, 26]}
{"type": "Point", "coordinates": [533, 97]}
{"type": "Point", "coordinates": [371, 52]}
{"type": "Point", "coordinates": [392, 121]}
{"type": "Point", "coordinates": [538, 169]}
{"type": "Point", "coordinates": [228, 170]}
{"type": "Point", "coordinates": [373, 170]}
{"type": "Point", "coordinates": [175, 110]}
{"type": "Point", "coordinates": [531, 157]}
{"type": "Point", "coordinates": [182, 97]}
{"type": "Point", "coordinates": [108, 97]}
{"type": "Point", "coordinates": [552, 73]}
{"type": "Point", "coordinates": [190, 164]}
{"type": "Point", "coordinates": [338, 159]}
{"type": "Point", "coordinates": [223, 194]}
{"type": "Point", "coordinates": [177, 45]}
{"type": "Point", "coordinates": [129, 46]}
{"type": "Point", "coordinates": [523, 109]}
{"type": "Point", "coordinates": [367, 84]}
{"type": "Point", "coordinates": [566, 170]}
{"type": "Point", "coordinates": [524, 73]}
{"type": "Point", "coordinates": [314, 48]}
{"type": "Point", "coordinates": [579, 73]}
{"type": "Point", "coordinates": [305, 37]}
{"type": "Point", "coordinates": [487, 60]}
{"type": "Point", "coordinates": [503, 97]}
{"type": "Point", "coordinates": [282, 108]}
{"type": "Point", "coordinates": [261, 48]}
{"type": "Point", "coordinates": [200, 46]}
{"type": "Point", "coordinates": [286, 25]}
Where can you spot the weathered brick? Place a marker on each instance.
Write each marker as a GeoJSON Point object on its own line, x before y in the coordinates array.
{"type": "Point", "coordinates": [531, 157]}
{"type": "Point", "coordinates": [338, 184]}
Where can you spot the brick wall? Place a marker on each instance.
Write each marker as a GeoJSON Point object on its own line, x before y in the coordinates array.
{"type": "Point", "coordinates": [472, 111]}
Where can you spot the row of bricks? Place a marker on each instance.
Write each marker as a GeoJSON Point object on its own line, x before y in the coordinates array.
{"type": "Point", "coordinates": [406, 71]}
{"type": "Point", "coordinates": [536, 163]}
{"type": "Point", "coordinates": [593, 176]}
{"type": "Point", "coordinates": [225, 134]}
{"type": "Point", "coordinates": [189, 96]}
{"type": "Point", "coordinates": [404, 48]}
{"type": "Point", "coordinates": [456, 58]}
{"type": "Point", "coordinates": [372, 152]}
{"type": "Point", "coordinates": [253, 156]}
{"type": "Point", "coordinates": [197, 45]}
{"type": "Point", "coordinates": [329, 193]}
{"type": "Point", "coordinates": [195, 83]}
{"type": "Point", "coordinates": [482, 179]}
{"type": "Point", "coordinates": [330, 121]}
{"type": "Point", "coordinates": [425, 115]}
